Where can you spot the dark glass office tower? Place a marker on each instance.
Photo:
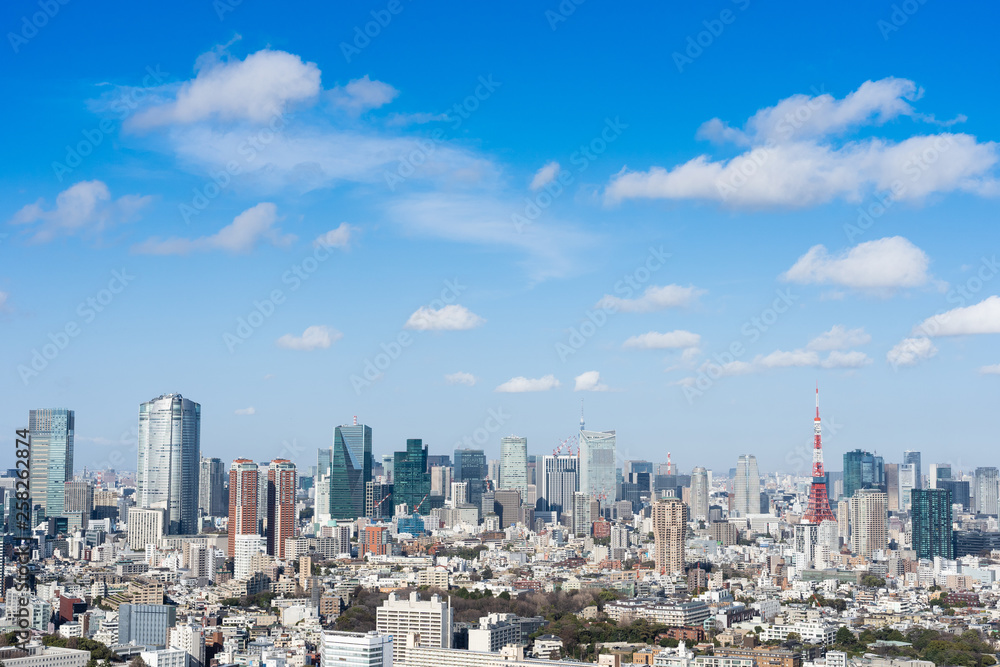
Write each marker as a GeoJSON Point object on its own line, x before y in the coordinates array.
{"type": "Point", "coordinates": [930, 514]}
{"type": "Point", "coordinates": [350, 470]}
{"type": "Point", "coordinates": [470, 467]}
{"type": "Point", "coordinates": [412, 480]}
{"type": "Point", "coordinates": [863, 470]}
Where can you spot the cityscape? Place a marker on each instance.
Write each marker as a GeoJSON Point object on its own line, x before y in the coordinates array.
{"type": "Point", "coordinates": [550, 333]}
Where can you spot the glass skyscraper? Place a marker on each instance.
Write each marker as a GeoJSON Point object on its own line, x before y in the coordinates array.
{"type": "Point", "coordinates": [514, 464]}
{"type": "Point", "coordinates": [911, 457]}
{"type": "Point", "coordinates": [930, 516]}
{"type": "Point", "coordinates": [170, 460]}
{"type": "Point", "coordinates": [212, 487]}
{"type": "Point", "coordinates": [50, 457]}
{"type": "Point", "coordinates": [411, 481]}
{"type": "Point", "coordinates": [350, 470]}
{"type": "Point", "coordinates": [863, 470]}
{"type": "Point", "coordinates": [597, 465]}
{"type": "Point", "coordinates": [470, 467]}
{"type": "Point", "coordinates": [560, 480]}
{"type": "Point", "coordinates": [746, 486]}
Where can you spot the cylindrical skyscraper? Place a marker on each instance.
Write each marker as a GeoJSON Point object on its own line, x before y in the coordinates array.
{"type": "Point", "coordinates": [170, 460]}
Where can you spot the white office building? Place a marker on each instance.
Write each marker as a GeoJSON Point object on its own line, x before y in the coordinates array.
{"type": "Point", "coordinates": [514, 464]}
{"type": "Point", "coordinates": [247, 548]}
{"type": "Point", "coordinates": [597, 465]}
{"type": "Point", "coordinates": [169, 464]}
{"type": "Point", "coordinates": [432, 619]}
{"type": "Point", "coordinates": [356, 649]}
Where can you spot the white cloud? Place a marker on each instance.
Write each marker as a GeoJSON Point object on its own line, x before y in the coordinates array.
{"type": "Point", "coordinates": [239, 236]}
{"type": "Point", "coordinates": [246, 411]}
{"type": "Point", "coordinates": [654, 340]}
{"type": "Point", "coordinates": [990, 370]}
{"type": "Point", "coordinates": [794, 157]}
{"type": "Point", "coordinates": [590, 381]}
{"type": "Point", "coordinates": [335, 238]}
{"type": "Point", "coordinates": [452, 317]}
{"type": "Point", "coordinates": [544, 176]}
{"type": "Point", "coordinates": [419, 118]}
{"type": "Point", "coordinates": [521, 384]}
{"type": "Point", "coordinates": [362, 95]}
{"type": "Point", "coordinates": [781, 359]}
{"type": "Point", "coordinates": [468, 379]}
{"type": "Point", "coordinates": [840, 359]}
{"type": "Point", "coordinates": [979, 318]}
{"type": "Point", "coordinates": [316, 337]}
{"type": "Point", "coordinates": [910, 351]}
{"type": "Point", "coordinates": [839, 338]}
{"type": "Point", "coordinates": [83, 208]}
{"type": "Point", "coordinates": [258, 89]}
{"type": "Point", "coordinates": [884, 263]}
{"type": "Point", "coordinates": [654, 298]}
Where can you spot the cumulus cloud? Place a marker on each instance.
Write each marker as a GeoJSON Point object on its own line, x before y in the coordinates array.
{"type": "Point", "coordinates": [452, 317]}
{"type": "Point", "coordinates": [654, 298]}
{"type": "Point", "coordinates": [240, 236]}
{"type": "Point", "coordinates": [83, 208]}
{"type": "Point", "coordinates": [544, 176]}
{"type": "Point", "coordinates": [979, 318]}
{"type": "Point", "coordinates": [910, 351]}
{"type": "Point", "coordinates": [246, 411]}
{"type": "Point", "coordinates": [521, 384]}
{"type": "Point", "coordinates": [795, 156]}
{"type": "Point", "coordinates": [468, 379]}
{"type": "Point", "coordinates": [316, 337]}
{"type": "Point", "coordinates": [880, 264]}
{"type": "Point", "coordinates": [839, 337]}
{"type": "Point", "coordinates": [335, 238]}
{"type": "Point", "coordinates": [835, 359]}
{"type": "Point", "coordinates": [654, 340]}
{"type": "Point", "coordinates": [360, 95]}
{"type": "Point", "coordinates": [590, 381]}
{"type": "Point", "coordinates": [259, 88]}
{"type": "Point", "coordinates": [990, 370]}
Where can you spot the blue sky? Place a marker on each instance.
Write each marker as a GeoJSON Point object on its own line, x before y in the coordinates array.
{"type": "Point", "coordinates": [478, 187]}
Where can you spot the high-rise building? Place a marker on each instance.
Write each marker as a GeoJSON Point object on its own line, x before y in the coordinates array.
{"type": "Point", "coordinates": [514, 463]}
{"type": "Point", "coordinates": [247, 550]}
{"type": "Point", "coordinates": [508, 506]}
{"type": "Point", "coordinates": [670, 517]}
{"type": "Point", "coordinates": [470, 467]}
{"type": "Point", "coordinates": [350, 470]}
{"type": "Point", "coordinates": [987, 491]}
{"type": "Point", "coordinates": [907, 482]}
{"type": "Point", "coordinates": [892, 485]}
{"type": "Point", "coordinates": [144, 526]}
{"type": "Point", "coordinates": [212, 487]}
{"type": "Point", "coordinates": [244, 487]}
{"type": "Point", "coordinates": [78, 505]}
{"type": "Point", "coordinates": [960, 494]}
{"type": "Point", "coordinates": [930, 517]}
{"type": "Point", "coordinates": [746, 486]}
{"type": "Point", "coordinates": [913, 458]}
{"type": "Point", "coordinates": [581, 513]}
{"type": "Point", "coordinates": [869, 510]}
{"type": "Point", "coordinates": [863, 470]}
{"type": "Point", "coordinates": [282, 482]}
{"type": "Point", "coordinates": [145, 624]}
{"type": "Point", "coordinates": [191, 640]}
{"type": "Point", "coordinates": [699, 494]}
{"type": "Point", "coordinates": [412, 481]}
{"type": "Point", "coordinates": [378, 500]}
{"type": "Point", "coordinates": [169, 460]}
{"type": "Point", "coordinates": [432, 619]}
{"type": "Point", "coordinates": [356, 649]}
{"type": "Point", "coordinates": [440, 481]}
{"type": "Point", "coordinates": [597, 465]}
{"type": "Point", "coordinates": [50, 457]}
{"type": "Point", "coordinates": [560, 480]}
{"type": "Point", "coordinates": [938, 471]}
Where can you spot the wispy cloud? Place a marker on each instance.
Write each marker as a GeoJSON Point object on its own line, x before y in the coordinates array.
{"type": "Point", "coordinates": [544, 176]}
{"type": "Point", "coordinates": [360, 95]}
{"type": "Point", "coordinates": [246, 411]}
{"type": "Point", "coordinates": [653, 299]}
{"type": "Point", "coordinates": [452, 317]}
{"type": "Point", "coordinates": [316, 337]}
{"type": "Point", "coordinates": [85, 208]}
{"type": "Point", "coordinates": [654, 340]}
{"type": "Point", "coordinates": [468, 379]}
{"type": "Point", "coordinates": [911, 351]}
{"type": "Point", "coordinates": [521, 384]}
{"type": "Point", "coordinates": [240, 236]}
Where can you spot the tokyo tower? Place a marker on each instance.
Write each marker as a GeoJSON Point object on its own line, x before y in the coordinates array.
{"type": "Point", "coordinates": [819, 501]}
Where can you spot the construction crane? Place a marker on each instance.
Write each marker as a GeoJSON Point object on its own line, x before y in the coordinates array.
{"type": "Point", "coordinates": [417, 508]}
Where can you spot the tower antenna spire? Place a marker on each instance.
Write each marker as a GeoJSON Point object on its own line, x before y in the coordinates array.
{"type": "Point", "coordinates": [581, 414]}
{"type": "Point", "coordinates": [819, 501]}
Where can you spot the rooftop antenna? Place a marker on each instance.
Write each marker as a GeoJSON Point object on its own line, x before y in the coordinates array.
{"type": "Point", "coordinates": [355, 420]}
{"type": "Point", "coordinates": [581, 414]}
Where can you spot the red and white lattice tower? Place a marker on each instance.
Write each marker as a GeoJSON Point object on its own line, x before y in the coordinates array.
{"type": "Point", "coordinates": [819, 500]}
